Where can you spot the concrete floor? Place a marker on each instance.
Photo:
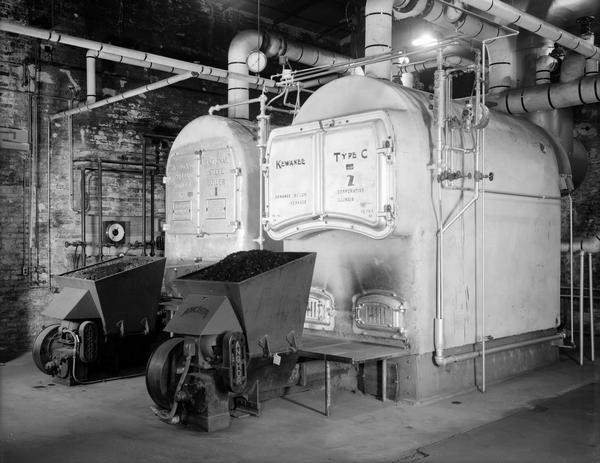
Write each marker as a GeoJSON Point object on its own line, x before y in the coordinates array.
{"type": "Point", "coordinates": [547, 415]}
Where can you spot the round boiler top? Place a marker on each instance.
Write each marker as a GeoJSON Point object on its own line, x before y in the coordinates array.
{"type": "Point", "coordinates": [520, 153]}
{"type": "Point", "coordinates": [212, 190]}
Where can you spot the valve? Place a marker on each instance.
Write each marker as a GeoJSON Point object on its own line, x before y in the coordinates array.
{"type": "Point", "coordinates": [480, 176]}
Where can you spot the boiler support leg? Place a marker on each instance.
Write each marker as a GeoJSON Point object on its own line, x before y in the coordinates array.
{"type": "Point", "coordinates": [383, 380]}
{"type": "Point", "coordinates": [327, 387]}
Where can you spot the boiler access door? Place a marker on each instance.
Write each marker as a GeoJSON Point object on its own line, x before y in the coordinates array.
{"type": "Point", "coordinates": [332, 174]}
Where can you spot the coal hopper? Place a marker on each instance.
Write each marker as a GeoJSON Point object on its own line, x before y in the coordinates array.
{"type": "Point", "coordinates": [107, 319]}
{"type": "Point", "coordinates": [236, 336]}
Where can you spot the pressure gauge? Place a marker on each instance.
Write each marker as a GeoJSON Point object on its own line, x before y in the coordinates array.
{"type": "Point", "coordinates": [256, 61]}
{"type": "Point", "coordinates": [115, 232]}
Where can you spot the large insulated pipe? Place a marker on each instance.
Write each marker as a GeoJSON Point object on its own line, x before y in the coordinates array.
{"type": "Point", "coordinates": [378, 36]}
{"type": "Point", "coordinates": [590, 244]}
{"type": "Point", "coordinates": [501, 51]}
{"type": "Point", "coordinates": [450, 61]}
{"type": "Point", "coordinates": [271, 44]}
{"type": "Point", "coordinates": [90, 73]}
{"type": "Point", "coordinates": [53, 36]}
{"type": "Point", "coordinates": [549, 96]}
{"type": "Point", "coordinates": [159, 67]}
{"type": "Point", "coordinates": [536, 25]}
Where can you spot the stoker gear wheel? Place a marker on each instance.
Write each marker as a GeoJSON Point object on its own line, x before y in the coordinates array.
{"type": "Point", "coordinates": [42, 347]}
{"type": "Point", "coordinates": [163, 372]}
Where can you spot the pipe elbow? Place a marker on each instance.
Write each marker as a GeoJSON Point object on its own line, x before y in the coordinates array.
{"type": "Point", "coordinates": [241, 46]}
{"type": "Point", "coordinates": [546, 63]}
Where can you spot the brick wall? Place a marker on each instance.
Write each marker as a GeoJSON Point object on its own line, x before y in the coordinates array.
{"type": "Point", "coordinates": [193, 31]}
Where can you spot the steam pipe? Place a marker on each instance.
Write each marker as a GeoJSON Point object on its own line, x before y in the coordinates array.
{"type": "Point", "coordinates": [535, 25]}
{"type": "Point", "coordinates": [90, 73]}
{"type": "Point", "coordinates": [549, 96]}
{"type": "Point", "coordinates": [128, 94]}
{"type": "Point", "coordinates": [263, 121]}
{"type": "Point", "coordinates": [164, 68]}
{"type": "Point", "coordinates": [53, 36]}
{"type": "Point", "coordinates": [272, 44]}
{"type": "Point", "coordinates": [453, 61]}
{"type": "Point", "coordinates": [378, 36]}
{"type": "Point", "coordinates": [544, 65]}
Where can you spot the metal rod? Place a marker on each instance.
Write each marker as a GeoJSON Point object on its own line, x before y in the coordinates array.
{"type": "Point", "coordinates": [506, 193]}
{"type": "Point", "coordinates": [383, 380]}
{"type": "Point", "coordinates": [152, 253]}
{"type": "Point", "coordinates": [128, 94]}
{"type": "Point", "coordinates": [581, 298]}
{"type": "Point", "coordinates": [144, 173]}
{"type": "Point", "coordinates": [572, 293]}
{"type": "Point", "coordinates": [219, 107]}
{"type": "Point", "coordinates": [590, 271]}
{"type": "Point", "coordinates": [49, 208]}
{"type": "Point", "coordinates": [493, 350]}
{"type": "Point", "coordinates": [327, 387]}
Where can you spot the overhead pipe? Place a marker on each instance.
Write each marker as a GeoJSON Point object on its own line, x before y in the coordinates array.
{"type": "Point", "coordinates": [203, 71]}
{"type": "Point", "coordinates": [448, 61]}
{"type": "Point", "coordinates": [536, 25]}
{"type": "Point", "coordinates": [501, 75]}
{"type": "Point", "coordinates": [164, 68]}
{"type": "Point", "coordinates": [549, 96]}
{"type": "Point", "coordinates": [271, 44]}
{"type": "Point", "coordinates": [128, 94]}
{"type": "Point", "coordinates": [378, 36]}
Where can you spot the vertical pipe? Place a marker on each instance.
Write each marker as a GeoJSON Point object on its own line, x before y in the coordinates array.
{"type": "Point", "coordinates": [49, 156]}
{"type": "Point", "coordinates": [572, 294]}
{"type": "Point", "coordinates": [591, 283]}
{"type": "Point", "coordinates": [378, 36]}
{"type": "Point", "coordinates": [152, 244]}
{"type": "Point", "coordinates": [90, 67]}
{"type": "Point", "coordinates": [71, 157]}
{"type": "Point", "coordinates": [100, 218]}
{"type": "Point", "coordinates": [144, 196]}
{"type": "Point", "coordinates": [439, 89]}
{"type": "Point", "coordinates": [480, 156]}
{"type": "Point", "coordinates": [263, 120]}
{"type": "Point", "coordinates": [581, 274]}
{"type": "Point", "coordinates": [82, 212]}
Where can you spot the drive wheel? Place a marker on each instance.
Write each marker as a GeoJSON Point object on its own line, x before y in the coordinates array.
{"type": "Point", "coordinates": [42, 347]}
{"type": "Point", "coordinates": [163, 371]}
